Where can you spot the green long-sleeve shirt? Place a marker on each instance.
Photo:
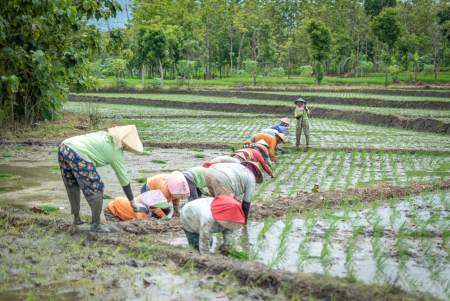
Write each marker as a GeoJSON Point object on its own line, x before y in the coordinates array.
{"type": "Point", "coordinates": [199, 176]}
{"type": "Point", "coordinates": [299, 113]}
{"type": "Point", "coordinates": [99, 148]}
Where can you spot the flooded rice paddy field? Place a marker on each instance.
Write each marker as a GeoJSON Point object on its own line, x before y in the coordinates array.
{"type": "Point", "coordinates": [36, 179]}
{"type": "Point", "coordinates": [323, 133]}
{"type": "Point", "coordinates": [400, 242]}
{"type": "Point", "coordinates": [110, 110]}
{"type": "Point", "coordinates": [358, 95]}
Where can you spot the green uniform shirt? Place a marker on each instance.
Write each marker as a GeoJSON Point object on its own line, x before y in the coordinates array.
{"type": "Point", "coordinates": [98, 148]}
{"type": "Point", "coordinates": [199, 176]}
{"type": "Point", "coordinates": [299, 113]}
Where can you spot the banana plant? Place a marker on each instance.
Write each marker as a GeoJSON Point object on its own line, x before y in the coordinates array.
{"type": "Point", "coordinates": [417, 60]}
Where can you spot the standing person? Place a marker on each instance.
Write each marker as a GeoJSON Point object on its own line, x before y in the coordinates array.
{"type": "Point", "coordinates": [234, 180]}
{"type": "Point", "coordinates": [195, 177]}
{"type": "Point", "coordinates": [253, 155]}
{"type": "Point", "coordinates": [272, 141]}
{"type": "Point", "coordinates": [150, 204]}
{"type": "Point", "coordinates": [79, 158]}
{"type": "Point", "coordinates": [174, 187]}
{"type": "Point", "coordinates": [203, 217]}
{"type": "Point", "coordinates": [301, 114]}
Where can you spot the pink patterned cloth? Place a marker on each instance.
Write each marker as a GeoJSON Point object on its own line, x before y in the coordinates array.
{"type": "Point", "coordinates": [301, 108]}
{"type": "Point", "coordinates": [177, 184]}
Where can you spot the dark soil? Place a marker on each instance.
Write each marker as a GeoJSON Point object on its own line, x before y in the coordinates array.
{"type": "Point", "coordinates": [365, 102]}
{"type": "Point", "coordinates": [193, 116]}
{"type": "Point", "coordinates": [257, 275]}
{"type": "Point", "coordinates": [280, 206]}
{"type": "Point", "coordinates": [388, 120]}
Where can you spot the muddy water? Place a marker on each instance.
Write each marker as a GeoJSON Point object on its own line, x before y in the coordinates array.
{"type": "Point", "coordinates": [384, 251]}
{"type": "Point", "coordinates": [34, 183]}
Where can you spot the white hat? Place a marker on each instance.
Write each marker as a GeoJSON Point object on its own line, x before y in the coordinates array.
{"type": "Point", "coordinates": [286, 120]}
{"type": "Point", "coordinates": [126, 137]}
{"type": "Point", "coordinates": [263, 142]}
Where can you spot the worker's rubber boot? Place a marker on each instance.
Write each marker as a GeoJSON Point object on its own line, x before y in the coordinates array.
{"type": "Point", "coordinates": [74, 198]}
{"type": "Point", "coordinates": [246, 209]}
{"type": "Point", "coordinates": [96, 202]}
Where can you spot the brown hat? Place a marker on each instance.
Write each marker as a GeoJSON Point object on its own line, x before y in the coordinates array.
{"type": "Point", "coordinates": [286, 120]}
{"type": "Point", "coordinates": [282, 136]}
{"type": "Point", "coordinates": [260, 177]}
{"type": "Point", "coordinates": [241, 155]}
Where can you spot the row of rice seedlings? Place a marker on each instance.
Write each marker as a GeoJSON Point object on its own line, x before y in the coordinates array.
{"type": "Point", "coordinates": [310, 170]}
{"type": "Point", "coordinates": [260, 245]}
{"type": "Point", "coordinates": [360, 181]}
{"type": "Point", "coordinates": [350, 175]}
{"type": "Point", "coordinates": [283, 241]}
{"type": "Point", "coordinates": [303, 250]}
{"type": "Point", "coordinates": [294, 188]}
{"type": "Point", "coordinates": [306, 168]}
{"type": "Point", "coordinates": [281, 182]}
{"type": "Point", "coordinates": [317, 179]}
{"type": "Point", "coordinates": [337, 175]}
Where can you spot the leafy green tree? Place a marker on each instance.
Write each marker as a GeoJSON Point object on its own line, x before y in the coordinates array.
{"type": "Point", "coordinates": [320, 41]}
{"type": "Point", "coordinates": [152, 42]}
{"type": "Point", "coordinates": [406, 45]}
{"type": "Point", "coordinates": [251, 67]}
{"type": "Point", "coordinates": [45, 49]}
{"type": "Point", "coordinates": [373, 8]}
{"type": "Point", "coordinates": [186, 68]}
{"type": "Point", "coordinates": [387, 28]}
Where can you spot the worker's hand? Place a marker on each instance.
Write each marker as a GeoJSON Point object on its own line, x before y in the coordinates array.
{"type": "Point", "coordinates": [224, 247]}
{"type": "Point", "coordinates": [176, 210]}
{"type": "Point", "coordinates": [301, 116]}
{"type": "Point", "coordinates": [272, 176]}
{"type": "Point", "coordinates": [134, 206]}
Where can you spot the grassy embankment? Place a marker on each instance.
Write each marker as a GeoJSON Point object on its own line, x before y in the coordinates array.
{"type": "Point", "coordinates": [371, 78]}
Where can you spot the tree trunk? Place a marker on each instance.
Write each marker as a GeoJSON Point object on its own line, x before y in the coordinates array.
{"type": "Point", "coordinates": [208, 75]}
{"type": "Point", "coordinates": [254, 78]}
{"type": "Point", "coordinates": [435, 57]}
{"type": "Point", "coordinates": [417, 70]}
{"type": "Point", "coordinates": [339, 69]}
{"type": "Point", "coordinates": [231, 51]}
{"type": "Point", "coordinates": [143, 73]}
{"type": "Point", "coordinates": [289, 68]}
{"type": "Point", "coordinates": [357, 56]}
{"type": "Point", "coordinates": [386, 82]}
{"type": "Point", "coordinates": [162, 72]}
{"type": "Point", "coordinates": [239, 55]}
{"type": "Point", "coordinates": [131, 72]}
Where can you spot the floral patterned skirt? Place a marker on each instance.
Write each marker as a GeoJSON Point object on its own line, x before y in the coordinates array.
{"type": "Point", "coordinates": [75, 171]}
{"type": "Point", "coordinates": [215, 187]}
{"type": "Point", "coordinates": [109, 216]}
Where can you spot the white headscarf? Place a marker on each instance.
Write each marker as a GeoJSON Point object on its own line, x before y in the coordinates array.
{"type": "Point", "coordinates": [126, 138]}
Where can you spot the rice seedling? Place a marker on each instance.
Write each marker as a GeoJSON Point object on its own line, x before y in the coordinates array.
{"type": "Point", "coordinates": [283, 241]}
{"type": "Point", "coordinates": [158, 161]}
{"type": "Point", "coordinates": [196, 150]}
{"type": "Point", "coordinates": [108, 197]}
{"type": "Point", "coordinates": [49, 208]}
{"type": "Point", "coordinates": [141, 180]}
{"type": "Point", "coordinates": [7, 155]}
{"type": "Point", "coordinates": [149, 149]}
{"type": "Point", "coordinates": [200, 156]}
{"type": "Point", "coordinates": [21, 148]}
{"type": "Point", "coordinates": [56, 168]}
{"type": "Point", "coordinates": [5, 175]}
{"type": "Point", "coordinates": [143, 154]}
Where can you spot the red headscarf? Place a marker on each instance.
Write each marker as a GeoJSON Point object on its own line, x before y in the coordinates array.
{"type": "Point", "coordinates": [227, 208]}
{"type": "Point", "coordinates": [207, 165]}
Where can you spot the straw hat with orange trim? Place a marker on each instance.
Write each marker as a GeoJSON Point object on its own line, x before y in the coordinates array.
{"type": "Point", "coordinates": [260, 177]}
{"type": "Point", "coordinates": [240, 155]}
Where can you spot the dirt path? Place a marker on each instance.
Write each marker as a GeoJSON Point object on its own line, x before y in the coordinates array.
{"type": "Point", "coordinates": [279, 207]}
{"type": "Point", "coordinates": [363, 117]}
{"type": "Point", "coordinates": [91, 254]}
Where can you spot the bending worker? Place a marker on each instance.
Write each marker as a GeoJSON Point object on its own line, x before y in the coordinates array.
{"type": "Point", "coordinates": [203, 217]}
{"type": "Point", "coordinates": [260, 146]}
{"type": "Point", "coordinates": [174, 187]}
{"type": "Point", "coordinates": [271, 140]}
{"type": "Point", "coordinates": [250, 154]}
{"type": "Point", "coordinates": [150, 204]}
{"type": "Point", "coordinates": [282, 127]}
{"type": "Point", "coordinates": [79, 158]}
{"type": "Point", "coordinates": [234, 180]}
{"type": "Point", "coordinates": [195, 177]}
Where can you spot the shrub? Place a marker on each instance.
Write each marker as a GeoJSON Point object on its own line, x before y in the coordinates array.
{"type": "Point", "coordinates": [155, 84]}
{"type": "Point", "coordinates": [306, 71]}
{"type": "Point", "coordinates": [428, 70]}
{"type": "Point", "coordinates": [279, 72]}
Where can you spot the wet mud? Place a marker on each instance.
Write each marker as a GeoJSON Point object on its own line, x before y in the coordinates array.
{"type": "Point", "coordinates": [370, 118]}
{"type": "Point", "coordinates": [193, 116]}
{"type": "Point", "coordinates": [97, 266]}
{"type": "Point", "coordinates": [280, 206]}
